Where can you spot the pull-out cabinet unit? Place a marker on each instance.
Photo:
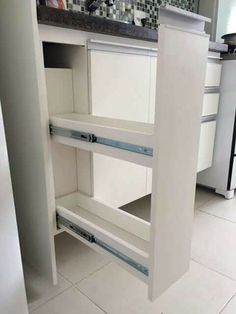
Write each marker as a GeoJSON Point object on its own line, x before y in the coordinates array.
{"type": "Point", "coordinates": [67, 136]}
{"type": "Point", "coordinates": [156, 251]}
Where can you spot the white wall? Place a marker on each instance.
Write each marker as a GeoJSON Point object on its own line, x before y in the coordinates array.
{"type": "Point", "coordinates": [209, 8]}
{"type": "Point", "coordinates": [226, 18]}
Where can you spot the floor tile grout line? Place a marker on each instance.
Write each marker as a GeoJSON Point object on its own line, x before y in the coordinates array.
{"type": "Point", "coordinates": [213, 215]}
{"type": "Point", "coordinates": [204, 203]}
{"type": "Point", "coordinates": [92, 273]}
{"type": "Point", "coordinates": [65, 278]}
{"type": "Point", "coordinates": [50, 299]}
{"type": "Point", "coordinates": [227, 303]}
{"type": "Point", "coordinates": [90, 299]}
{"type": "Point", "coordinates": [72, 285]}
{"type": "Point", "coordinates": [213, 270]}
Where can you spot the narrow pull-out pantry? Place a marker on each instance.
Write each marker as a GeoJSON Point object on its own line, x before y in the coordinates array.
{"type": "Point", "coordinates": [156, 251]}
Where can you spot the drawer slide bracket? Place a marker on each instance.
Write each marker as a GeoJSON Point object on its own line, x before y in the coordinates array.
{"type": "Point", "coordinates": [61, 221]}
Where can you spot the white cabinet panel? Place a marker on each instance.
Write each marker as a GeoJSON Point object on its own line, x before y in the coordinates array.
{"type": "Point", "coordinates": [64, 164]}
{"type": "Point", "coordinates": [149, 181]}
{"type": "Point", "coordinates": [210, 104]}
{"type": "Point", "coordinates": [119, 85]}
{"type": "Point", "coordinates": [151, 118]}
{"type": "Point", "coordinates": [233, 178]}
{"type": "Point", "coordinates": [25, 112]}
{"type": "Point", "coordinates": [206, 146]}
{"type": "Point", "coordinates": [119, 88]}
{"type": "Point", "coordinates": [205, 154]}
{"type": "Point", "coordinates": [60, 100]}
{"type": "Point", "coordinates": [177, 130]}
{"type": "Point", "coordinates": [59, 90]}
{"type": "Point", "coordinates": [213, 74]}
{"type": "Point", "coordinates": [12, 288]}
{"type": "Point", "coordinates": [117, 182]}
{"type": "Point", "coordinates": [153, 74]}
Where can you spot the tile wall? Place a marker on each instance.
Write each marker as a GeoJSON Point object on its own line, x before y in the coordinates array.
{"type": "Point", "coordinates": [150, 7]}
{"type": "Point", "coordinates": [116, 12]}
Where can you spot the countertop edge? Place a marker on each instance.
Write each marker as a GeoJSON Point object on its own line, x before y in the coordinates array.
{"type": "Point", "coordinates": [84, 22]}
{"type": "Point", "coordinates": [80, 21]}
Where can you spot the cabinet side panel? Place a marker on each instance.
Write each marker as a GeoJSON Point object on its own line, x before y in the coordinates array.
{"type": "Point", "coordinates": [23, 93]}
{"type": "Point", "coordinates": [12, 288]}
{"type": "Point", "coordinates": [180, 89]}
{"type": "Point", "coordinates": [60, 100]}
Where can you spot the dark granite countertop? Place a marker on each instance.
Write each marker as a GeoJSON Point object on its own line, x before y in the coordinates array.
{"type": "Point", "coordinates": [80, 21]}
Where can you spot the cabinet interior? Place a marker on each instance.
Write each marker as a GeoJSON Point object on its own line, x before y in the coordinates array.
{"type": "Point", "coordinates": [66, 68]}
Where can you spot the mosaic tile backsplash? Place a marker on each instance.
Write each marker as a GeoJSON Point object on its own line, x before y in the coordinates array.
{"type": "Point", "coordinates": [124, 9]}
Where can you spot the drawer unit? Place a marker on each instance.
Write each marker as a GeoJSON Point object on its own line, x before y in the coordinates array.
{"type": "Point", "coordinates": [210, 103]}
{"type": "Point", "coordinates": [213, 74]}
{"type": "Point", "coordinates": [134, 243]}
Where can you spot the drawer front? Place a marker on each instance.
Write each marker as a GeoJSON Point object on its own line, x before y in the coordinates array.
{"type": "Point", "coordinates": [210, 104]}
{"type": "Point", "coordinates": [205, 154]}
{"type": "Point", "coordinates": [206, 146]}
{"type": "Point", "coordinates": [213, 74]}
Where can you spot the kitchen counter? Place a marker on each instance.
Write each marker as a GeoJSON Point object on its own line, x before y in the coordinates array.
{"type": "Point", "coordinates": [80, 21]}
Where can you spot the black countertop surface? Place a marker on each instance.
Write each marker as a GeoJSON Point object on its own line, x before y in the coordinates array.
{"type": "Point", "coordinates": [81, 21]}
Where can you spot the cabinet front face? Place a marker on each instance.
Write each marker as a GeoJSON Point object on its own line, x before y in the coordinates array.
{"type": "Point", "coordinates": [213, 74]}
{"type": "Point", "coordinates": [119, 88]}
{"type": "Point", "coordinates": [206, 146]}
{"type": "Point", "coordinates": [119, 85]}
{"type": "Point", "coordinates": [210, 104]}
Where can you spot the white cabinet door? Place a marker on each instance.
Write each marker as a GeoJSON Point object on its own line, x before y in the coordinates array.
{"type": "Point", "coordinates": [210, 104]}
{"type": "Point", "coordinates": [119, 88]}
{"type": "Point", "coordinates": [119, 85]}
{"type": "Point", "coordinates": [206, 145]}
{"type": "Point", "coordinates": [213, 74]}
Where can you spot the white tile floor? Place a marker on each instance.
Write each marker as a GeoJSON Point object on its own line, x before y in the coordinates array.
{"type": "Point", "coordinates": [90, 284]}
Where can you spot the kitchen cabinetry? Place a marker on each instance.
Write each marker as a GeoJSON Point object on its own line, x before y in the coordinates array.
{"type": "Point", "coordinates": [123, 86]}
{"type": "Point", "coordinates": [156, 251]}
{"type": "Point", "coordinates": [221, 176]}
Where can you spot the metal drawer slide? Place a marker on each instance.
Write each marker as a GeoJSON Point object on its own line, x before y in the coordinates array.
{"type": "Point", "coordinates": [92, 138]}
{"type": "Point", "coordinates": [86, 235]}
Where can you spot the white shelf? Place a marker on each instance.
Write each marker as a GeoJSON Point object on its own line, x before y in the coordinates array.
{"type": "Point", "coordinates": [121, 231]}
{"type": "Point", "coordinates": [128, 134]}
